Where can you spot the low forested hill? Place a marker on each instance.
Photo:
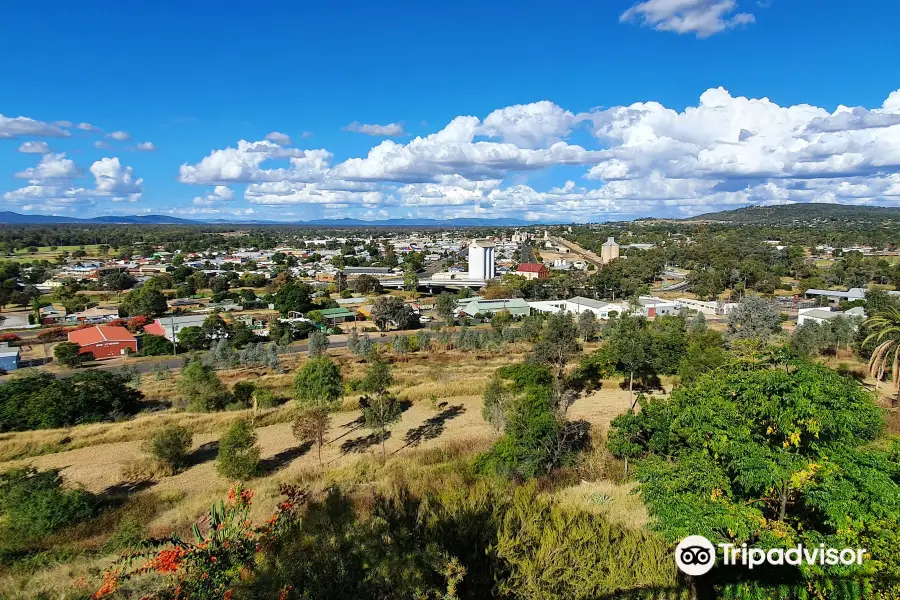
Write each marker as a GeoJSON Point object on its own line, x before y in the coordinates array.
{"type": "Point", "coordinates": [806, 212]}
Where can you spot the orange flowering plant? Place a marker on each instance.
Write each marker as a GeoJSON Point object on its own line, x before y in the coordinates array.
{"type": "Point", "coordinates": [221, 553]}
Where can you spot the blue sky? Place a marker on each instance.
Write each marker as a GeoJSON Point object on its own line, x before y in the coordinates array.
{"type": "Point", "coordinates": [571, 111]}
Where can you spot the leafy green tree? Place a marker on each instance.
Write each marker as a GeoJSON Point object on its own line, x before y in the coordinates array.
{"type": "Point", "coordinates": [118, 281]}
{"type": "Point", "coordinates": [755, 319]}
{"type": "Point", "coordinates": [705, 352]}
{"type": "Point", "coordinates": [630, 342]}
{"type": "Point", "coordinates": [766, 458]}
{"type": "Point", "coordinates": [294, 296]}
{"type": "Point", "coordinates": [155, 345]}
{"type": "Point", "coordinates": [366, 284]}
{"type": "Point", "coordinates": [193, 338]}
{"type": "Point", "coordinates": [500, 320]}
{"type": "Point", "coordinates": [242, 393]}
{"type": "Point", "coordinates": [809, 339]}
{"type": "Point", "coordinates": [200, 388]}
{"type": "Point", "coordinates": [445, 305]}
{"type": "Point", "coordinates": [410, 280]}
{"type": "Point", "coordinates": [318, 383]}
{"type": "Point", "coordinates": [69, 354]}
{"type": "Point", "coordinates": [380, 408]}
{"type": "Point", "coordinates": [318, 344]}
{"type": "Point", "coordinates": [144, 301]}
{"type": "Point", "coordinates": [558, 343]}
{"type": "Point", "coordinates": [496, 403]}
{"type": "Point", "coordinates": [170, 445]}
{"type": "Point", "coordinates": [238, 452]}
{"type": "Point", "coordinates": [588, 327]}
{"type": "Point", "coordinates": [392, 309]}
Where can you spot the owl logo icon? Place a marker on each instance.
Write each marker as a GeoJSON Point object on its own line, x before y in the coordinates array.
{"type": "Point", "coordinates": [695, 555]}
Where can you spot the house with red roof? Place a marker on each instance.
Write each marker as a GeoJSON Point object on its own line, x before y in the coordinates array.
{"type": "Point", "coordinates": [104, 341]}
{"type": "Point", "coordinates": [533, 271]}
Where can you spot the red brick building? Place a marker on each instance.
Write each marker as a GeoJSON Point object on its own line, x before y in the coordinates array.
{"type": "Point", "coordinates": [533, 271]}
{"type": "Point", "coordinates": [104, 341]}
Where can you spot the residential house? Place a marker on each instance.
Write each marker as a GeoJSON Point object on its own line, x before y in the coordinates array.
{"type": "Point", "coordinates": [533, 271]}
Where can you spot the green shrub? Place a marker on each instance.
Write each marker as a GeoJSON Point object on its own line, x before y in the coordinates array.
{"type": "Point", "coordinates": [69, 355]}
{"type": "Point", "coordinates": [34, 503]}
{"type": "Point", "coordinates": [238, 453]}
{"type": "Point", "coordinates": [201, 389]}
{"type": "Point", "coordinates": [155, 345]}
{"type": "Point", "coordinates": [242, 392]}
{"type": "Point", "coordinates": [170, 445]}
{"type": "Point", "coordinates": [264, 398]}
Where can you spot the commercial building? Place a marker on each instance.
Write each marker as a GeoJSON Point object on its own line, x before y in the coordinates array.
{"type": "Point", "coordinates": [533, 271]}
{"type": "Point", "coordinates": [706, 307]}
{"type": "Point", "coordinates": [578, 305]}
{"type": "Point", "coordinates": [336, 315]}
{"type": "Point", "coordinates": [609, 251]}
{"type": "Point", "coordinates": [104, 341]}
{"type": "Point", "coordinates": [657, 307]}
{"type": "Point", "coordinates": [823, 315]}
{"type": "Point", "coordinates": [481, 260]}
{"type": "Point", "coordinates": [515, 306]}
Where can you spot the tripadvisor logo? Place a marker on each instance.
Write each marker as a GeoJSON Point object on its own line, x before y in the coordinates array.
{"type": "Point", "coordinates": [695, 555]}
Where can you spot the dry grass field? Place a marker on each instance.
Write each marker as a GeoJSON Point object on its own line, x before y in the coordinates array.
{"type": "Point", "coordinates": [441, 425]}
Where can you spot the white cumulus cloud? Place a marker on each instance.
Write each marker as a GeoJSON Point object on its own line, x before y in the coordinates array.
{"type": "Point", "coordinates": [644, 158]}
{"type": "Point", "coordinates": [389, 130]}
{"type": "Point", "coordinates": [34, 148]}
{"type": "Point", "coordinates": [13, 127]}
{"type": "Point", "coordinates": [116, 181]}
{"type": "Point", "coordinates": [700, 17]}
{"type": "Point", "coordinates": [220, 193]}
{"type": "Point", "coordinates": [119, 136]}
{"type": "Point", "coordinates": [282, 139]}
{"type": "Point", "coordinates": [145, 147]}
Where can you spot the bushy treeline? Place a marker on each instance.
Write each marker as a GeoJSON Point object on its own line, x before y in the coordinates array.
{"type": "Point", "coordinates": [41, 401]}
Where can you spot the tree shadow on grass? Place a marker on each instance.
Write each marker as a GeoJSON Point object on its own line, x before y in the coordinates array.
{"type": "Point", "coordinates": [361, 444]}
{"type": "Point", "coordinates": [275, 463]}
{"type": "Point", "coordinates": [118, 492]}
{"type": "Point", "coordinates": [203, 453]}
{"type": "Point", "coordinates": [431, 428]}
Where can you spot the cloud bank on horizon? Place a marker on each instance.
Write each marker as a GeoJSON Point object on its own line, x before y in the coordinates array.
{"type": "Point", "coordinates": [642, 159]}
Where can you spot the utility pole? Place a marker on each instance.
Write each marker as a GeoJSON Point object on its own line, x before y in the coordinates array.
{"type": "Point", "coordinates": [174, 346]}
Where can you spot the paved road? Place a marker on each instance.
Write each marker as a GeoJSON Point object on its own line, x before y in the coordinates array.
{"type": "Point", "coordinates": [527, 253]}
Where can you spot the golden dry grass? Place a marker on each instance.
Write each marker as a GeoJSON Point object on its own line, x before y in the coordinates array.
{"type": "Point", "coordinates": [617, 502]}
{"type": "Point", "coordinates": [430, 449]}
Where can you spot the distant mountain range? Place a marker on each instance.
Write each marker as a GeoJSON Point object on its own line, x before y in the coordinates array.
{"type": "Point", "coordinates": [806, 212]}
{"type": "Point", "coordinates": [12, 218]}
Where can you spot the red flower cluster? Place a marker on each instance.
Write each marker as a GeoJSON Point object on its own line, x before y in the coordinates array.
{"type": "Point", "coordinates": [238, 496]}
{"type": "Point", "coordinates": [110, 585]}
{"type": "Point", "coordinates": [169, 560]}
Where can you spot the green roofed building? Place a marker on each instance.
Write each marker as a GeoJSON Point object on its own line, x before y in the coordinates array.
{"type": "Point", "coordinates": [336, 315]}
